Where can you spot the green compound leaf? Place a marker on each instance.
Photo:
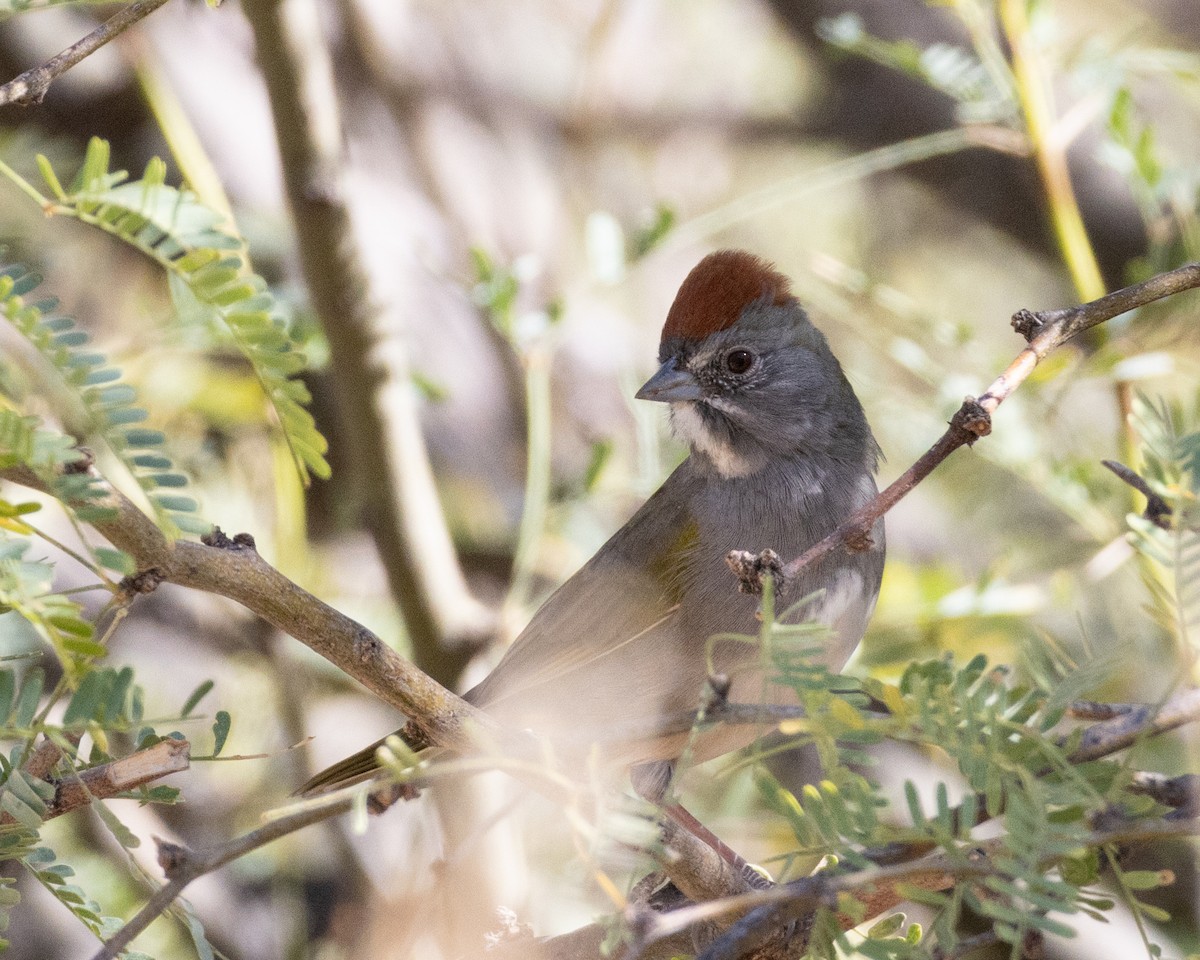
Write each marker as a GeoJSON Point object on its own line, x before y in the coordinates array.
{"type": "Point", "coordinates": [109, 408]}
{"type": "Point", "coordinates": [205, 258]}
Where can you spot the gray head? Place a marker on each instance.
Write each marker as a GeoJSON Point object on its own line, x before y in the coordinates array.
{"type": "Point", "coordinates": [750, 380]}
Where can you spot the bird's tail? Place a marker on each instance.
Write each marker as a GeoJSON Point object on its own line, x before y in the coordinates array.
{"type": "Point", "coordinates": [357, 767]}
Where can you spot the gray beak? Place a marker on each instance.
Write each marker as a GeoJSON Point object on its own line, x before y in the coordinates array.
{"type": "Point", "coordinates": [670, 385]}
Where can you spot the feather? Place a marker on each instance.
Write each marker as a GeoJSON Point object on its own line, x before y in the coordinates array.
{"type": "Point", "coordinates": [718, 289]}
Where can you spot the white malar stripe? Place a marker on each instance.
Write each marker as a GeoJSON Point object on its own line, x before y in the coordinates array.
{"type": "Point", "coordinates": [689, 427]}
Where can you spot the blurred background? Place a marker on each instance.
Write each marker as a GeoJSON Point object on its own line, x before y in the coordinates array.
{"type": "Point", "coordinates": [529, 182]}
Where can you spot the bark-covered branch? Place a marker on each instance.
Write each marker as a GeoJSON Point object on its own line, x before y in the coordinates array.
{"type": "Point", "coordinates": [233, 569]}
{"type": "Point", "coordinates": [32, 85]}
{"type": "Point", "coordinates": [181, 866]}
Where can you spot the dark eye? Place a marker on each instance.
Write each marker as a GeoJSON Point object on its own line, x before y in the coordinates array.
{"type": "Point", "coordinates": [739, 361]}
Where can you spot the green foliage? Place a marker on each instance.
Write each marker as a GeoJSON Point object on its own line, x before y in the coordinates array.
{"type": "Point", "coordinates": [1171, 468]}
{"type": "Point", "coordinates": [110, 410]}
{"type": "Point", "coordinates": [51, 455]}
{"type": "Point", "coordinates": [26, 589]}
{"type": "Point", "coordinates": [212, 279]}
{"type": "Point", "coordinates": [107, 700]}
{"type": "Point", "coordinates": [1005, 741]}
{"type": "Point", "coordinates": [55, 877]}
{"type": "Point", "coordinates": [981, 85]}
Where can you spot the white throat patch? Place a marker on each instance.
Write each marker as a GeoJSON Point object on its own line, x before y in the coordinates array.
{"type": "Point", "coordinates": [689, 427]}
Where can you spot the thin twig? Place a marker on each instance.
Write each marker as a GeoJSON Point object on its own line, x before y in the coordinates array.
{"type": "Point", "coordinates": [182, 866]}
{"type": "Point", "coordinates": [1158, 511]}
{"type": "Point", "coordinates": [1045, 330]}
{"type": "Point", "coordinates": [31, 86]}
{"type": "Point", "coordinates": [1109, 736]}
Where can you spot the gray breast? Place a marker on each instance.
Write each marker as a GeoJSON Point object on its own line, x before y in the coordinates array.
{"type": "Point", "coordinates": [786, 509]}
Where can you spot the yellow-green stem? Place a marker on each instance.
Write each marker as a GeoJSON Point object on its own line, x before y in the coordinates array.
{"type": "Point", "coordinates": [537, 478]}
{"type": "Point", "coordinates": [1033, 91]}
{"type": "Point", "coordinates": [185, 144]}
{"type": "Point", "coordinates": [1050, 152]}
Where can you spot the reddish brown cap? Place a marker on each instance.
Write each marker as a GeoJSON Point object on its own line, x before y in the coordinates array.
{"type": "Point", "coordinates": [718, 289]}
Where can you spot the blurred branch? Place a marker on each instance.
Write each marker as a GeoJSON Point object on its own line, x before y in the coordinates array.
{"type": "Point", "coordinates": [1181, 792]}
{"type": "Point", "coordinates": [379, 409]}
{"type": "Point", "coordinates": [1145, 720]}
{"type": "Point", "coordinates": [535, 362]}
{"type": "Point", "coordinates": [1050, 150]}
{"type": "Point", "coordinates": [1044, 330]}
{"type": "Point", "coordinates": [31, 86]}
{"type": "Point", "coordinates": [1158, 511]}
{"type": "Point", "coordinates": [181, 866]}
{"type": "Point", "coordinates": [879, 888]}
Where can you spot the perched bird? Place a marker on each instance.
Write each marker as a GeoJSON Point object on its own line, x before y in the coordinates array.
{"type": "Point", "coordinates": [781, 454]}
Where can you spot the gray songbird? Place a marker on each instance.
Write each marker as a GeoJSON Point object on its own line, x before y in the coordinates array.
{"type": "Point", "coordinates": [781, 454]}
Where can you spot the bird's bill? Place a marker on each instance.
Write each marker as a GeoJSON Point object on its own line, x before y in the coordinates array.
{"type": "Point", "coordinates": [670, 385]}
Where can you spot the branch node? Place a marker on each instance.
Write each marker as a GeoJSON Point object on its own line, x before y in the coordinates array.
{"type": "Point", "coordinates": [145, 582]}
{"type": "Point", "coordinates": [972, 418]}
{"type": "Point", "coordinates": [1027, 323]}
{"type": "Point", "coordinates": [172, 857]}
{"type": "Point", "coordinates": [859, 541]}
{"type": "Point", "coordinates": [1157, 511]}
{"type": "Point", "coordinates": [751, 568]}
{"type": "Point", "coordinates": [719, 685]}
{"type": "Point", "coordinates": [217, 538]}
{"type": "Point", "coordinates": [366, 645]}
{"type": "Point", "coordinates": [383, 798]}
{"type": "Point", "coordinates": [84, 464]}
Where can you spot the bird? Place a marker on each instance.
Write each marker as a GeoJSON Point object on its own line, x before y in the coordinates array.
{"type": "Point", "coordinates": [780, 453]}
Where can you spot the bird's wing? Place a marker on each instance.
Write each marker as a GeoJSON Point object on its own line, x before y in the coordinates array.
{"type": "Point", "coordinates": [627, 591]}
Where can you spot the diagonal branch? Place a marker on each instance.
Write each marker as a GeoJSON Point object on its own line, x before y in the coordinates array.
{"type": "Point", "coordinates": [31, 86]}
{"type": "Point", "coordinates": [1045, 331]}
{"type": "Point", "coordinates": [182, 866]}
{"type": "Point", "coordinates": [233, 569]}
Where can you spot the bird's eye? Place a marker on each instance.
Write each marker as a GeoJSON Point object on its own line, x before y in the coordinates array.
{"type": "Point", "coordinates": [739, 361]}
